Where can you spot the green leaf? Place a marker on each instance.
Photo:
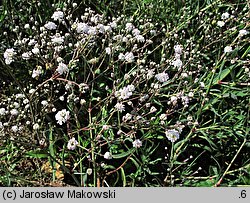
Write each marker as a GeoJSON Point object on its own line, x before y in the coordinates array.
{"type": "Point", "coordinates": [123, 177]}
{"type": "Point", "coordinates": [246, 52]}
{"type": "Point", "coordinates": [206, 183]}
{"type": "Point", "coordinates": [124, 154]}
{"type": "Point", "coordinates": [221, 76]}
{"type": "Point", "coordinates": [37, 154]}
{"type": "Point", "coordinates": [135, 162]}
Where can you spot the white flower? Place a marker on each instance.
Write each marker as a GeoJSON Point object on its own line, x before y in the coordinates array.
{"type": "Point", "coordinates": [92, 30]}
{"type": "Point", "coordinates": [163, 117]}
{"type": "Point", "coordinates": [35, 51]}
{"type": "Point", "coordinates": [129, 57]}
{"type": "Point", "coordinates": [184, 75]}
{"type": "Point", "coordinates": [162, 77]}
{"type": "Point", "coordinates": [32, 42]}
{"type": "Point", "coordinates": [74, 5]}
{"type": "Point", "coordinates": [243, 32]}
{"type": "Point", "coordinates": [108, 28]}
{"type": "Point", "coordinates": [50, 26]}
{"type": "Point", "coordinates": [82, 28]}
{"type": "Point", "coordinates": [129, 27]}
{"type": "Point", "coordinates": [228, 49]}
{"type": "Point", "coordinates": [172, 135]}
{"type": "Point", "coordinates": [20, 96]}
{"type": "Point", "coordinates": [61, 98]}
{"type": "Point", "coordinates": [89, 171]}
{"type": "Point", "coordinates": [127, 117]}
{"type": "Point", "coordinates": [1, 125]}
{"type": "Point", "coordinates": [140, 38]}
{"type": "Point", "coordinates": [8, 55]}
{"type": "Point", "coordinates": [120, 107]}
{"type": "Point", "coordinates": [137, 143]}
{"type": "Point", "coordinates": [191, 94]}
{"type": "Point", "coordinates": [105, 127]}
{"type": "Point", "coordinates": [31, 91]}
{"type": "Point", "coordinates": [113, 24]}
{"type": "Point", "coordinates": [136, 32]}
{"type": "Point", "coordinates": [225, 16]}
{"type": "Point", "coordinates": [82, 101]}
{"type": "Point", "coordinates": [125, 39]}
{"type": "Point", "coordinates": [2, 111]}
{"type": "Point", "coordinates": [153, 109]}
{"type": "Point", "coordinates": [62, 116]}
{"type": "Point", "coordinates": [6, 124]}
{"type": "Point", "coordinates": [62, 68]}
{"type": "Point", "coordinates": [121, 56]}
{"type": "Point", "coordinates": [220, 23]}
{"type": "Point", "coordinates": [150, 73]}
{"type": "Point", "coordinates": [72, 143]}
{"type": "Point", "coordinates": [107, 155]}
{"type": "Point", "coordinates": [14, 112]}
{"type": "Point", "coordinates": [131, 88]}
{"type": "Point", "coordinates": [57, 40]}
{"type": "Point", "coordinates": [26, 26]}
{"type": "Point", "coordinates": [177, 63]}
{"type": "Point", "coordinates": [16, 105]}
{"type": "Point", "coordinates": [108, 50]}
{"type": "Point", "coordinates": [178, 49]}
{"type": "Point", "coordinates": [37, 72]}
{"type": "Point", "coordinates": [185, 100]}
{"type": "Point", "coordinates": [36, 126]}
{"type": "Point", "coordinates": [58, 15]}
{"type": "Point", "coordinates": [26, 55]}
{"type": "Point", "coordinates": [14, 128]}
{"type": "Point", "coordinates": [125, 92]}
{"type": "Point", "coordinates": [44, 103]}
{"type": "Point", "coordinates": [173, 100]}
{"type": "Point", "coordinates": [83, 87]}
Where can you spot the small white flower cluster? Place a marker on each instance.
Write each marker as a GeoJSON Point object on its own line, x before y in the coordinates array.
{"type": "Point", "coordinates": [243, 32]}
{"type": "Point", "coordinates": [9, 55]}
{"type": "Point", "coordinates": [177, 63]}
{"type": "Point", "coordinates": [72, 144]}
{"type": "Point", "coordinates": [14, 115]}
{"type": "Point", "coordinates": [125, 92]}
{"type": "Point", "coordinates": [225, 16]}
{"type": "Point", "coordinates": [62, 68]}
{"type": "Point", "coordinates": [184, 99]}
{"type": "Point", "coordinates": [57, 39]}
{"type": "Point", "coordinates": [137, 143]}
{"type": "Point", "coordinates": [120, 107]}
{"type": "Point", "coordinates": [37, 72]}
{"type": "Point", "coordinates": [172, 135]}
{"type": "Point", "coordinates": [127, 117]}
{"type": "Point", "coordinates": [128, 57]}
{"type": "Point", "coordinates": [58, 15]}
{"type": "Point", "coordinates": [220, 23]}
{"type": "Point", "coordinates": [50, 26]}
{"type": "Point", "coordinates": [62, 116]}
{"type": "Point", "coordinates": [107, 155]}
{"type": "Point", "coordinates": [162, 77]}
{"type": "Point", "coordinates": [228, 49]}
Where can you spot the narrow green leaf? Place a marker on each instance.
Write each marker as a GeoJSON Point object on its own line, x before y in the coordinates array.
{"type": "Point", "coordinates": [124, 154]}
{"type": "Point", "coordinates": [37, 154]}
{"type": "Point", "coordinates": [221, 76]}
{"type": "Point", "coordinates": [123, 177]}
